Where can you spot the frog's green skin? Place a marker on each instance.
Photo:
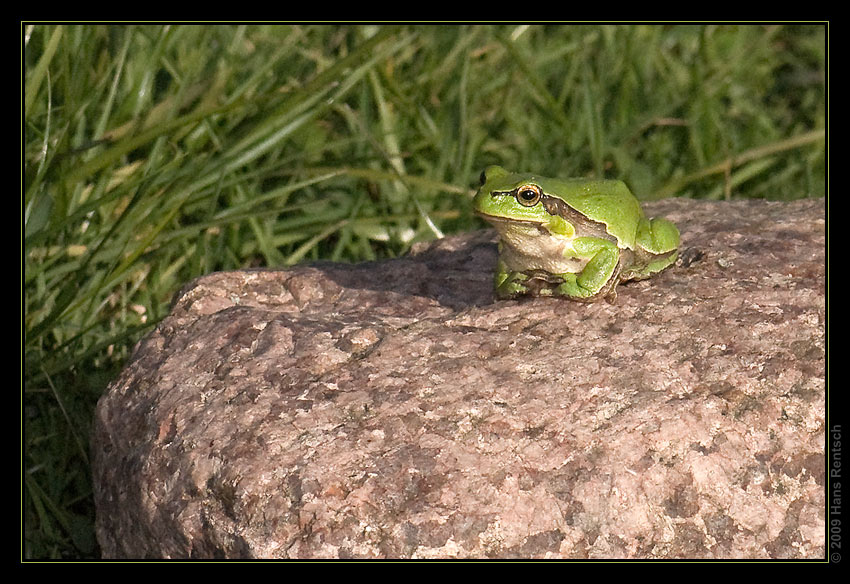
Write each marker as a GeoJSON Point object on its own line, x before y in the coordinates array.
{"type": "Point", "coordinates": [570, 237]}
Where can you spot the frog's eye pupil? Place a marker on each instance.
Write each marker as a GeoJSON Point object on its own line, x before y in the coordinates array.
{"type": "Point", "coordinates": [528, 196]}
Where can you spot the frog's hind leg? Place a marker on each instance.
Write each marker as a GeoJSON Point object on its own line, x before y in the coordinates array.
{"type": "Point", "coordinates": [658, 236]}
{"type": "Point", "coordinates": [598, 278]}
{"type": "Point", "coordinates": [657, 247]}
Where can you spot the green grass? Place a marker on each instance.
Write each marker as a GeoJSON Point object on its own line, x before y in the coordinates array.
{"type": "Point", "coordinates": [154, 154]}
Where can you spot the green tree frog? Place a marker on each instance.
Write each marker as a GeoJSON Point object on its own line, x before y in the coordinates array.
{"type": "Point", "coordinates": [576, 238]}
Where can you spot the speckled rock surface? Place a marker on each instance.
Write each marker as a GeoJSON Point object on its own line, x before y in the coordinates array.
{"type": "Point", "coordinates": [395, 410]}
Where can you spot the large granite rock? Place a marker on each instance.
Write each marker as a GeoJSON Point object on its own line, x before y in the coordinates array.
{"type": "Point", "coordinates": [394, 409]}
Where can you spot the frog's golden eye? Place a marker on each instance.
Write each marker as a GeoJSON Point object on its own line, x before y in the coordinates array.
{"type": "Point", "coordinates": [528, 195]}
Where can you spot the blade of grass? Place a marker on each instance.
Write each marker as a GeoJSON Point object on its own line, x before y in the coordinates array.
{"type": "Point", "coordinates": [66, 296]}
{"type": "Point", "coordinates": [305, 247]}
{"type": "Point", "coordinates": [55, 367]}
{"type": "Point", "coordinates": [46, 504]}
{"type": "Point", "coordinates": [374, 175]}
{"type": "Point", "coordinates": [595, 133]}
{"type": "Point", "coordinates": [296, 112]}
{"type": "Point", "coordinates": [127, 145]}
{"type": "Point", "coordinates": [81, 447]}
{"type": "Point", "coordinates": [40, 70]}
{"type": "Point", "coordinates": [540, 89]}
{"type": "Point", "coordinates": [800, 140]}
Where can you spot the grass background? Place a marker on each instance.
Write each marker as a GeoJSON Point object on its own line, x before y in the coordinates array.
{"type": "Point", "coordinates": [153, 154]}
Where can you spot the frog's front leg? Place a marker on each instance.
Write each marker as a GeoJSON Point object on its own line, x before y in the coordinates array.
{"type": "Point", "coordinates": [509, 284]}
{"type": "Point", "coordinates": [600, 269]}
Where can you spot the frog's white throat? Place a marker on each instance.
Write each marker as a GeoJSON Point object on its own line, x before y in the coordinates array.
{"type": "Point", "coordinates": [529, 245]}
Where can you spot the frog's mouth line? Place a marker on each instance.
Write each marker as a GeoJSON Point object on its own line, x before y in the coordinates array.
{"type": "Point", "coordinates": [489, 217]}
{"type": "Point", "coordinates": [540, 226]}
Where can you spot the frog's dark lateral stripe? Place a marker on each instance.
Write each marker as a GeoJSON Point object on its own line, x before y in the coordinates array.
{"type": "Point", "coordinates": [555, 206]}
